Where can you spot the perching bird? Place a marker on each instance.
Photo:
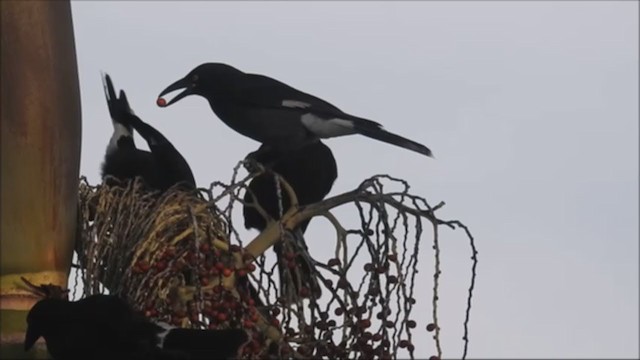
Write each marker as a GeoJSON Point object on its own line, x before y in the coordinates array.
{"type": "Point", "coordinates": [311, 172]}
{"type": "Point", "coordinates": [161, 168]}
{"type": "Point", "coordinates": [105, 327]}
{"type": "Point", "coordinates": [274, 113]}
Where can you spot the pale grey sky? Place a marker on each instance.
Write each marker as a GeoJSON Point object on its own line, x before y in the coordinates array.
{"type": "Point", "coordinates": [531, 109]}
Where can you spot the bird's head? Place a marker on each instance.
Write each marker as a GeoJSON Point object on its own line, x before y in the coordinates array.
{"type": "Point", "coordinates": [206, 80]}
{"type": "Point", "coordinates": [42, 320]}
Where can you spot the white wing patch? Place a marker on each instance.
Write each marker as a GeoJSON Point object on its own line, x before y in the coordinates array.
{"type": "Point", "coordinates": [327, 128]}
{"type": "Point", "coordinates": [295, 104]}
{"type": "Point", "coordinates": [119, 131]}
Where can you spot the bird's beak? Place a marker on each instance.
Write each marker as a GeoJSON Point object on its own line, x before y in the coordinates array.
{"type": "Point", "coordinates": [30, 338]}
{"type": "Point", "coordinates": [183, 83]}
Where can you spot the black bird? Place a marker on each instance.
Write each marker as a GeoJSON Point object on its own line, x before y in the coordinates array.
{"type": "Point", "coordinates": [311, 172]}
{"type": "Point", "coordinates": [161, 168]}
{"type": "Point", "coordinates": [274, 113]}
{"type": "Point", "coordinates": [106, 327]}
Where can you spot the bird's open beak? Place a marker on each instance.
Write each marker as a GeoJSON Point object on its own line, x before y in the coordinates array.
{"type": "Point", "coordinates": [30, 338]}
{"type": "Point", "coordinates": [183, 83]}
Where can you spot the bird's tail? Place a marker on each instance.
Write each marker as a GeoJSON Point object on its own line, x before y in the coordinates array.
{"type": "Point", "coordinates": [375, 131]}
{"type": "Point", "coordinates": [117, 107]}
{"type": "Point", "coordinates": [298, 274]}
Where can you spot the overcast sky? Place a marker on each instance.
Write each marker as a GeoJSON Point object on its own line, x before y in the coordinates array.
{"type": "Point", "coordinates": [531, 109]}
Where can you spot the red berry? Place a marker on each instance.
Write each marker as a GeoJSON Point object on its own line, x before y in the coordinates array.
{"type": "Point", "coordinates": [144, 265]}
{"type": "Point", "coordinates": [222, 317]}
{"type": "Point", "coordinates": [227, 272]}
{"type": "Point", "coordinates": [411, 324]}
{"type": "Point", "coordinates": [368, 267]}
{"type": "Point", "coordinates": [431, 327]}
{"type": "Point", "coordinates": [308, 329]}
{"type": "Point", "coordinates": [304, 292]}
{"type": "Point", "coordinates": [364, 323]}
{"type": "Point", "coordinates": [333, 262]}
{"type": "Point", "coordinates": [404, 343]}
{"type": "Point", "coordinates": [161, 102]}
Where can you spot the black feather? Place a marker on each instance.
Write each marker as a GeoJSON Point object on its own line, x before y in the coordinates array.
{"type": "Point", "coordinates": [106, 327]}
{"type": "Point", "coordinates": [253, 105]}
{"type": "Point", "coordinates": [311, 172]}
{"type": "Point", "coordinates": [206, 344]}
{"type": "Point", "coordinates": [161, 168]}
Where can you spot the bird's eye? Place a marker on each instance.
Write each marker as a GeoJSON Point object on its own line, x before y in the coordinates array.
{"type": "Point", "coordinates": [194, 78]}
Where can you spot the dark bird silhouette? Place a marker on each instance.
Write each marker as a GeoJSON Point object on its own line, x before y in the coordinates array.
{"type": "Point", "coordinates": [160, 168]}
{"type": "Point", "coordinates": [311, 172]}
{"type": "Point", "coordinates": [274, 113]}
{"type": "Point", "coordinates": [105, 327]}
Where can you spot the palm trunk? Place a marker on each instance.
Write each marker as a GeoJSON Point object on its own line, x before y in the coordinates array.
{"type": "Point", "coordinates": [40, 157]}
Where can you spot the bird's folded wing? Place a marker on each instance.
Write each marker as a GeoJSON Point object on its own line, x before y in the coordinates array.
{"type": "Point", "coordinates": [265, 92]}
